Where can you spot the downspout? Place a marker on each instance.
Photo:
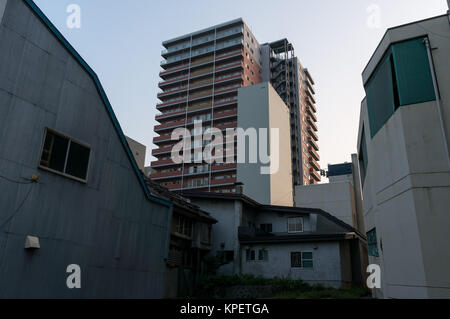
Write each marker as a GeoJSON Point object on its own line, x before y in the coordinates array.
{"type": "Point", "coordinates": [438, 99]}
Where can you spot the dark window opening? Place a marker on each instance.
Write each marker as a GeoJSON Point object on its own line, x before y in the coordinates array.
{"type": "Point", "coordinates": [266, 228]}
{"type": "Point", "coordinates": [394, 84]}
{"type": "Point", "coordinates": [296, 260]}
{"type": "Point", "coordinates": [372, 243]}
{"type": "Point", "coordinates": [363, 160]}
{"type": "Point", "coordinates": [63, 155]}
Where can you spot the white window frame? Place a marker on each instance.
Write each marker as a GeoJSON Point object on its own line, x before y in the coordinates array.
{"type": "Point", "coordinates": [295, 231]}
{"type": "Point", "coordinates": [84, 181]}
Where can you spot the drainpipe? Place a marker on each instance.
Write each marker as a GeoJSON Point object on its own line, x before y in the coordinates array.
{"type": "Point", "coordinates": [438, 100]}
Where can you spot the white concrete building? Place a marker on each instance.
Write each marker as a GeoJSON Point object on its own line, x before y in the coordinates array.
{"type": "Point", "coordinates": [404, 159]}
{"type": "Point", "coordinates": [341, 197]}
{"type": "Point", "coordinates": [284, 242]}
{"type": "Point", "coordinates": [261, 108]}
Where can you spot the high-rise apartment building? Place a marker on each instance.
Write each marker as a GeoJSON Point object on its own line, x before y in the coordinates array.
{"type": "Point", "coordinates": [202, 74]}
{"type": "Point", "coordinates": [295, 86]}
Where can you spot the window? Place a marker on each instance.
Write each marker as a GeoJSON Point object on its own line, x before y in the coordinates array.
{"type": "Point", "coordinates": [266, 228]}
{"type": "Point", "coordinates": [184, 226]}
{"type": "Point", "coordinates": [402, 77]}
{"type": "Point", "coordinates": [363, 158]}
{"type": "Point", "coordinates": [295, 225]}
{"type": "Point", "coordinates": [65, 156]}
{"type": "Point", "coordinates": [263, 255]}
{"type": "Point", "coordinates": [372, 244]}
{"type": "Point", "coordinates": [302, 260]}
{"type": "Point", "coordinates": [250, 255]}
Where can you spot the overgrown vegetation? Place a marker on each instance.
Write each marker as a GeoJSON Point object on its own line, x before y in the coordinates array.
{"type": "Point", "coordinates": [283, 288]}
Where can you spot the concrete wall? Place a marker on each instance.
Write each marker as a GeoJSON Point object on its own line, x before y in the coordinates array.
{"type": "Point", "coordinates": [261, 107]}
{"type": "Point", "coordinates": [224, 234]}
{"type": "Point", "coordinates": [326, 260]}
{"type": "Point", "coordinates": [280, 222]}
{"type": "Point", "coordinates": [106, 226]}
{"type": "Point", "coordinates": [138, 151]}
{"type": "Point", "coordinates": [337, 198]}
{"type": "Point", "coordinates": [406, 191]}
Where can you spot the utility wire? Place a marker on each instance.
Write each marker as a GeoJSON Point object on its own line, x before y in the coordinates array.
{"type": "Point", "coordinates": [14, 181]}
{"type": "Point", "coordinates": [18, 208]}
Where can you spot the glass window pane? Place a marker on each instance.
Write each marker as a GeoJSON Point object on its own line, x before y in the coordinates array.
{"type": "Point", "coordinates": [58, 152]}
{"type": "Point", "coordinates": [307, 255]}
{"type": "Point", "coordinates": [78, 161]}
{"type": "Point", "coordinates": [307, 264]}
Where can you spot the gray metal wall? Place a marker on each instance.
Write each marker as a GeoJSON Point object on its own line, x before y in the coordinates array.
{"type": "Point", "coordinates": [107, 226]}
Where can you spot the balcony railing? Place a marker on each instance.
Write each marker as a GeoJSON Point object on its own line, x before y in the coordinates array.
{"type": "Point", "coordinates": [314, 174]}
{"type": "Point", "coordinates": [312, 133]}
{"type": "Point", "coordinates": [312, 123]}
{"type": "Point", "coordinates": [314, 164]}
{"type": "Point", "coordinates": [313, 143]}
{"type": "Point", "coordinates": [313, 153]}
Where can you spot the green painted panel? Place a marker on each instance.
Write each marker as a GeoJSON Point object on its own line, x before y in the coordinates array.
{"type": "Point", "coordinates": [412, 68]}
{"type": "Point", "coordinates": [380, 95]}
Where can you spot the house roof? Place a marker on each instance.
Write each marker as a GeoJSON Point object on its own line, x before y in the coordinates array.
{"type": "Point", "coordinates": [103, 96]}
{"type": "Point", "coordinates": [178, 201]}
{"type": "Point", "coordinates": [273, 208]}
{"type": "Point", "coordinates": [304, 237]}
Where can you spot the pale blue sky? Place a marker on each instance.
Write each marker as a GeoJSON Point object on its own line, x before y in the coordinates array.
{"type": "Point", "coordinates": [121, 41]}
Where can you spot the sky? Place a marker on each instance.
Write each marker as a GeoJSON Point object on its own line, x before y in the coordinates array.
{"type": "Point", "coordinates": [121, 41]}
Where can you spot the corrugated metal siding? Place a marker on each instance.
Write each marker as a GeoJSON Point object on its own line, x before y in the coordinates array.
{"type": "Point", "coordinates": [108, 226]}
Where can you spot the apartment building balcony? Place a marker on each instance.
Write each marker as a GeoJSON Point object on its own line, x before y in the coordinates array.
{"type": "Point", "coordinates": [172, 125]}
{"type": "Point", "coordinates": [225, 126]}
{"type": "Point", "coordinates": [226, 102]}
{"type": "Point", "coordinates": [162, 150]}
{"type": "Point", "coordinates": [194, 73]}
{"type": "Point", "coordinates": [310, 112]}
{"type": "Point", "coordinates": [310, 104]}
{"type": "Point", "coordinates": [313, 153]}
{"type": "Point", "coordinates": [165, 175]}
{"type": "Point", "coordinates": [223, 182]}
{"type": "Point", "coordinates": [168, 75]}
{"type": "Point", "coordinates": [225, 114]}
{"type": "Point", "coordinates": [202, 41]}
{"type": "Point", "coordinates": [313, 143]}
{"type": "Point", "coordinates": [312, 123]}
{"type": "Point", "coordinates": [314, 174]}
{"type": "Point", "coordinates": [308, 93]}
{"type": "Point", "coordinates": [170, 92]}
{"type": "Point", "coordinates": [161, 163]}
{"type": "Point", "coordinates": [162, 139]}
{"type": "Point", "coordinates": [308, 76]}
{"type": "Point", "coordinates": [314, 164]}
{"type": "Point", "coordinates": [173, 80]}
{"type": "Point", "coordinates": [171, 103]}
{"type": "Point", "coordinates": [169, 115]}
{"type": "Point", "coordinates": [312, 133]}
{"type": "Point", "coordinates": [222, 168]}
{"type": "Point", "coordinates": [205, 51]}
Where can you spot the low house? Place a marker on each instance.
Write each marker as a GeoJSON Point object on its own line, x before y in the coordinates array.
{"type": "Point", "coordinates": [71, 195]}
{"type": "Point", "coordinates": [286, 242]}
{"type": "Point", "coordinates": [190, 242]}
